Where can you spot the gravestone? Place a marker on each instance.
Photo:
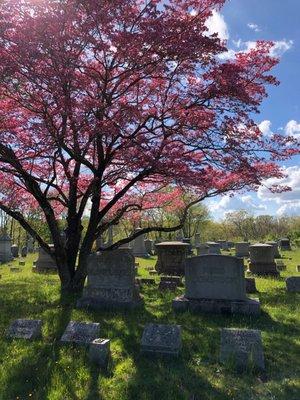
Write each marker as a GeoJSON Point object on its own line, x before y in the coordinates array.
{"type": "Point", "coordinates": [213, 248]}
{"type": "Point", "coordinates": [250, 285]}
{"type": "Point", "coordinates": [149, 246]}
{"type": "Point", "coordinates": [202, 249]}
{"type": "Point", "coordinates": [298, 268]}
{"type": "Point", "coordinates": [262, 261]}
{"type": "Point", "coordinates": [22, 263]}
{"type": "Point", "coordinates": [215, 284]}
{"type": "Point", "coordinates": [280, 265]}
{"type": "Point", "coordinates": [276, 250]}
{"type": "Point", "coordinates": [30, 244]}
{"type": "Point", "coordinates": [293, 284]}
{"type": "Point", "coordinates": [15, 250]}
{"type": "Point", "coordinates": [285, 244]}
{"type": "Point", "coordinates": [197, 239]}
{"type": "Point", "coordinates": [138, 247]}
{"type": "Point", "coordinates": [110, 281]}
{"type": "Point", "coordinates": [223, 244]}
{"type": "Point", "coordinates": [24, 251]}
{"type": "Point", "coordinates": [242, 249]}
{"type": "Point", "coordinates": [167, 285]}
{"type": "Point", "coordinates": [25, 329]}
{"type": "Point", "coordinates": [5, 248]}
{"type": "Point", "coordinates": [188, 242]}
{"type": "Point", "coordinates": [81, 332]}
{"type": "Point", "coordinates": [146, 281]}
{"type": "Point", "coordinates": [45, 263]}
{"type": "Point", "coordinates": [152, 272]}
{"type": "Point", "coordinates": [171, 258]}
{"type": "Point", "coordinates": [242, 347]}
{"type": "Point", "coordinates": [99, 352]}
{"type": "Point", "coordinates": [161, 339]}
{"type": "Point", "coordinates": [176, 279]}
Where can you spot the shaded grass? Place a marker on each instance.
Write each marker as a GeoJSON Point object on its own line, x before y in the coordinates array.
{"type": "Point", "coordinates": [44, 369]}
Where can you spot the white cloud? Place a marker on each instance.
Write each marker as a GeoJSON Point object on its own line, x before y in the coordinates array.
{"type": "Point", "coordinates": [287, 202]}
{"type": "Point", "coordinates": [265, 127]}
{"type": "Point", "coordinates": [254, 27]}
{"type": "Point", "coordinates": [228, 204]}
{"type": "Point", "coordinates": [216, 24]}
{"type": "Point", "coordinates": [292, 128]}
{"type": "Point", "coordinates": [278, 49]}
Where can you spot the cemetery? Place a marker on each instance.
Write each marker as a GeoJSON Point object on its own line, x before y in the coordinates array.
{"type": "Point", "coordinates": [149, 206]}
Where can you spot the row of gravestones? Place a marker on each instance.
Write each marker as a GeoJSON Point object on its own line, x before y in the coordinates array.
{"type": "Point", "coordinates": [8, 251]}
{"type": "Point", "coordinates": [241, 346]}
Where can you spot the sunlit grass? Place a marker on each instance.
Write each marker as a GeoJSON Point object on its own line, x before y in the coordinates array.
{"type": "Point", "coordinates": [44, 369]}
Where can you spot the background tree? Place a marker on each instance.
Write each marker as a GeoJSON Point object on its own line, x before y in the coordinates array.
{"type": "Point", "coordinates": [102, 108]}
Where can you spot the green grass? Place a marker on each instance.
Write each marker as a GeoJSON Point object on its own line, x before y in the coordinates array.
{"type": "Point", "coordinates": [43, 369]}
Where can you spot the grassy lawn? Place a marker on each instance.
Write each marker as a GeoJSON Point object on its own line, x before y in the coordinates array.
{"type": "Point", "coordinates": [43, 369]}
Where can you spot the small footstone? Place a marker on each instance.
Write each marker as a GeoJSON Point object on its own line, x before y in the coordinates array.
{"type": "Point", "coordinates": [280, 265]}
{"type": "Point", "coordinates": [161, 339]}
{"type": "Point", "coordinates": [152, 272]}
{"type": "Point", "coordinates": [176, 279]}
{"type": "Point", "coordinates": [99, 352]}
{"type": "Point", "coordinates": [80, 332]}
{"type": "Point", "coordinates": [22, 263]}
{"type": "Point", "coordinates": [25, 329]}
{"type": "Point", "coordinates": [242, 347]}
{"type": "Point", "coordinates": [146, 281]}
{"type": "Point", "coordinates": [250, 285]}
{"type": "Point", "coordinates": [167, 285]}
{"type": "Point", "coordinates": [293, 284]}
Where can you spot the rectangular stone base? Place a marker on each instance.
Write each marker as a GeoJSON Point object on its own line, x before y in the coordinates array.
{"type": "Point", "coordinates": [100, 304]}
{"type": "Point", "coordinates": [247, 307]}
{"type": "Point", "coordinates": [264, 269]}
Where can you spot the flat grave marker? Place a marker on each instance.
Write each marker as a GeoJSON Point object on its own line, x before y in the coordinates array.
{"type": "Point", "coordinates": [293, 284]}
{"type": "Point", "coordinates": [81, 332]}
{"type": "Point", "coordinates": [25, 329]}
{"type": "Point", "coordinates": [161, 339]}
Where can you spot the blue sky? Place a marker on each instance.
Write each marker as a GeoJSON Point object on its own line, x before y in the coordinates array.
{"type": "Point", "coordinates": [241, 22]}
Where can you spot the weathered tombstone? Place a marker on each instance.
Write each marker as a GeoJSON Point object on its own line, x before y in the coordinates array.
{"type": "Point", "coordinates": [176, 279]}
{"type": "Point", "coordinates": [45, 263]}
{"type": "Point", "coordinates": [24, 251]}
{"type": "Point", "coordinates": [161, 339]}
{"type": "Point", "coordinates": [262, 261]}
{"type": "Point", "coordinates": [30, 244]}
{"type": "Point", "coordinates": [152, 272]}
{"type": "Point", "coordinates": [293, 284]}
{"type": "Point", "coordinates": [188, 242]}
{"type": "Point", "coordinates": [223, 244]}
{"type": "Point", "coordinates": [81, 332]}
{"type": "Point", "coordinates": [110, 281]}
{"type": "Point", "coordinates": [197, 239]}
{"type": "Point", "coordinates": [167, 285]}
{"type": "Point", "coordinates": [138, 248]}
{"type": "Point", "coordinates": [280, 265]}
{"type": "Point", "coordinates": [99, 352]}
{"type": "Point", "coordinates": [146, 281]}
{"type": "Point", "coordinates": [242, 249]}
{"type": "Point", "coordinates": [149, 246]}
{"type": "Point", "coordinates": [285, 244]}
{"type": "Point", "coordinates": [5, 248]}
{"type": "Point", "coordinates": [213, 248]}
{"type": "Point", "coordinates": [15, 250]}
{"type": "Point", "coordinates": [171, 258]}
{"type": "Point", "coordinates": [250, 285]}
{"type": "Point", "coordinates": [202, 249]}
{"type": "Point", "coordinates": [25, 329]}
{"type": "Point", "coordinates": [276, 250]}
{"type": "Point", "coordinates": [243, 348]}
{"type": "Point", "coordinates": [216, 284]}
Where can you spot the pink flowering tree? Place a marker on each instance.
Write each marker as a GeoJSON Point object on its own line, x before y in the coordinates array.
{"type": "Point", "coordinates": [103, 107]}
